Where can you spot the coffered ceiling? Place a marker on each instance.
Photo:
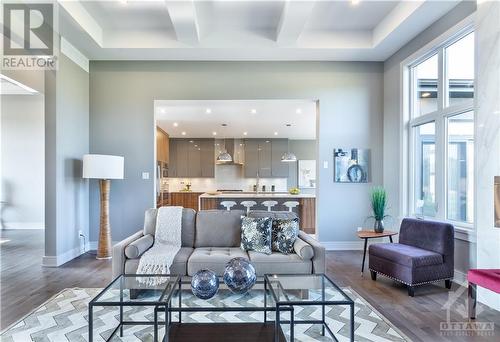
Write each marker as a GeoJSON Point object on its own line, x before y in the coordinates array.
{"type": "Point", "coordinates": [245, 30]}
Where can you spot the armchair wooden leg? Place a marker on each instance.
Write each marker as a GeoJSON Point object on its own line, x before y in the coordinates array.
{"type": "Point", "coordinates": [411, 291]}
{"type": "Point", "coordinates": [447, 283]}
{"type": "Point", "coordinates": [472, 300]}
{"type": "Point", "coordinates": [373, 274]}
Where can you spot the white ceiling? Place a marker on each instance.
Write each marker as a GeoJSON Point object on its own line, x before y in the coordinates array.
{"type": "Point", "coordinates": [258, 118]}
{"type": "Point", "coordinates": [245, 30]}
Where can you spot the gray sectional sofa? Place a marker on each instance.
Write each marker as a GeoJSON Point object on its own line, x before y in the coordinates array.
{"type": "Point", "coordinates": [210, 238]}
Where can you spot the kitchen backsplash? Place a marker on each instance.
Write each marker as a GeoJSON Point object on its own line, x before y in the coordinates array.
{"type": "Point", "coordinates": [227, 177]}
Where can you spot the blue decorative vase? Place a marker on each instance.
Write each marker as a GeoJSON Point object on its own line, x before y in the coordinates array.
{"type": "Point", "coordinates": [239, 275]}
{"type": "Point", "coordinates": [205, 284]}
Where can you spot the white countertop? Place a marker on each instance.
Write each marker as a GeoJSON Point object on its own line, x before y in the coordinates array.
{"type": "Point", "coordinates": [256, 195]}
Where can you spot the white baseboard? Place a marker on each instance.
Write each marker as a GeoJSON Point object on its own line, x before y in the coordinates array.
{"type": "Point", "coordinates": [24, 225]}
{"type": "Point", "coordinates": [56, 261]}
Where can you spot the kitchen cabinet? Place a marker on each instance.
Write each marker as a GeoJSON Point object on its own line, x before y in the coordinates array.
{"type": "Point", "coordinates": [191, 158]}
{"type": "Point", "coordinates": [264, 156]}
{"type": "Point", "coordinates": [278, 148]}
{"type": "Point", "coordinates": [162, 148]}
{"type": "Point", "coordinates": [184, 199]}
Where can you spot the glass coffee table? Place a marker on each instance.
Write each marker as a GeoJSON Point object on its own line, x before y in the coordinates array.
{"type": "Point", "coordinates": [134, 290]}
{"type": "Point", "coordinates": [290, 290]}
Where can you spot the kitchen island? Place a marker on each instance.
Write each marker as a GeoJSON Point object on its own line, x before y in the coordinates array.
{"type": "Point", "coordinates": [306, 209]}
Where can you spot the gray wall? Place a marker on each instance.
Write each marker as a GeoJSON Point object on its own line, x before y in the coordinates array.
{"type": "Point", "coordinates": [67, 140]}
{"type": "Point", "coordinates": [392, 117]}
{"type": "Point", "coordinates": [122, 122]}
{"type": "Point", "coordinates": [303, 149]}
{"type": "Point", "coordinates": [22, 161]}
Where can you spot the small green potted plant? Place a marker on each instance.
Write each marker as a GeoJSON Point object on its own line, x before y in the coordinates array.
{"type": "Point", "coordinates": [378, 199]}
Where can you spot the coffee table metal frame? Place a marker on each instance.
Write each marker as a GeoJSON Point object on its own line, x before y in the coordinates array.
{"type": "Point", "coordinates": [279, 304]}
{"type": "Point", "coordinates": [180, 309]}
{"type": "Point", "coordinates": [163, 301]}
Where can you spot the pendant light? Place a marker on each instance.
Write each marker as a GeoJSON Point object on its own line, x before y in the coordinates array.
{"type": "Point", "coordinates": [288, 157]}
{"type": "Point", "coordinates": [224, 156]}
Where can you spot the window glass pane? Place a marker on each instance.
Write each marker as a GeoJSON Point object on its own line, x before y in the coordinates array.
{"type": "Point", "coordinates": [460, 69]}
{"type": "Point", "coordinates": [425, 87]}
{"type": "Point", "coordinates": [460, 203]}
{"type": "Point", "coordinates": [425, 169]}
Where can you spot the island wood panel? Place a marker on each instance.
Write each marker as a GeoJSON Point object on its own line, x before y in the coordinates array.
{"type": "Point", "coordinates": [307, 214]}
{"type": "Point", "coordinates": [184, 199]}
{"type": "Point", "coordinates": [208, 203]}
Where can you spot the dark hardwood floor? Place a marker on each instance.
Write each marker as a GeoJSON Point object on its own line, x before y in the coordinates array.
{"type": "Point", "coordinates": [25, 285]}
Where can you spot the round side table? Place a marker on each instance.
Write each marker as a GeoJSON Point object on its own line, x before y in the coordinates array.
{"type": "Point", "coordinates": [370, 234]}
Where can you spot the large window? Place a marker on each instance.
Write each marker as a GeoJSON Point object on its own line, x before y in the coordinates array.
{"type": "Point", "coordinates": [442, 132]}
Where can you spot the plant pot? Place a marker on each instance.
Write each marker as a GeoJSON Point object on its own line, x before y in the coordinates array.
{"type": "Point", "coordinates": [378, 227]}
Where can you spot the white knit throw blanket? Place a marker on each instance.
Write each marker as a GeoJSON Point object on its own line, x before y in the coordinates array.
{"type": "Point", "coordinates": [159, 258]}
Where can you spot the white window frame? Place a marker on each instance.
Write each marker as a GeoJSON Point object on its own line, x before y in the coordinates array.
{"type": "Point", "coordinates": [440, 117]}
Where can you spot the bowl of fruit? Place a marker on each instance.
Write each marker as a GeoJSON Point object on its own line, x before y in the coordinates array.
{"type": "Point", "coordinates": [294, 191]}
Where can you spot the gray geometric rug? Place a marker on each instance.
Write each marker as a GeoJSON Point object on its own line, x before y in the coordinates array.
{"type": "Point", "coordinates": [64, 318]}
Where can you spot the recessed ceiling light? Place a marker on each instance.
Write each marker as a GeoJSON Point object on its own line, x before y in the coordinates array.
{"type": "Point", "coordinates": [183, 133]}
{"type": "Point", "coordinates": [275, 133]}
{"type": "Point", "coordinates": [191, 141]}
{"type": "Point", "coordinates": [245, 133]}
{"type": "Point", "coordinates": [253, 111]}
{"type": "Point", "coordinates": [214, 133]}
{"type": "Point", "coordinates": [298, 111]}
{"type": "Point", "coordinates": [163, 110]}
{"type": "Point", "coordinates": [208, 111]}
{"type": "Point", "coordinates": [176, 124]}
{"type": "Point", "coordinates": [355, 2]}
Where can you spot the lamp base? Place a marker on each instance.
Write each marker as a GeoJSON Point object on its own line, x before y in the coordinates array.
{"type": "Point", "coordinates": [104, 243]}
{"type": "Point", "coordinates": [93, 252]}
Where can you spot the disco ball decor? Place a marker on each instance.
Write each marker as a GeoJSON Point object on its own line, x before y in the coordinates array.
{"type": "Point", "coordinates": [239, 275]}
{"type": "Point", "coordinates": [205, 284]}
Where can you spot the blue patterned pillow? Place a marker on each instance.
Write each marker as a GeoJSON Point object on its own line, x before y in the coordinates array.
{"type": "Point", "coordinates": [285, 232]}
{"type": "Point", "coordinates": [256, 234]}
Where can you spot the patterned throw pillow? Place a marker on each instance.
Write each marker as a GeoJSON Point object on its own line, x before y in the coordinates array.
{"type": "Point", "coordinates": [285, 232]}
{"type": "Point", "coordinates": [256, 234]}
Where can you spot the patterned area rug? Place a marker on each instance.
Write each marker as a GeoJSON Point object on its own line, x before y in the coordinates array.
{"type": "Point", "coordinates": [64, 318]}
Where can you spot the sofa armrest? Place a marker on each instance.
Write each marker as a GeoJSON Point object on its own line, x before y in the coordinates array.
{"type": "Point", "coordinates": [319, 252]}
{"type": "Point", "coordinates": [118, 262]}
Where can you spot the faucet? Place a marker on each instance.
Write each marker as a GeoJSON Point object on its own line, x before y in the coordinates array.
{"type": "Point", "coordinates": [257, 185]}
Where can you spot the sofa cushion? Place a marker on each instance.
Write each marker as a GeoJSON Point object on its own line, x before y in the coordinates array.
{"type": "Point", "coordinates": [405, 255]}
{"type": "Point", "coordinates": [256, 234]}
{"type": "Point", "coordinates": [139, 246]}
{"type": "Point", "coordinates": [304, 250]}
{"type": "Point", "coordinates": [218, 228]}
{"type": "Point", "coordinates": [285, 232]}
{"type": "Point", "coordinates": [187, 225]}
{"type": "Point", "coordinates": [179, 265]}
{"type": "Point", "coordinates": [279, 263]}
{"type": "Point", "coordinates": [213, 258]}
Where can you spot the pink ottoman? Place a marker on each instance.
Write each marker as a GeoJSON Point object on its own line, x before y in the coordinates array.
{"type": "Point", "coordinates": [489, 279]}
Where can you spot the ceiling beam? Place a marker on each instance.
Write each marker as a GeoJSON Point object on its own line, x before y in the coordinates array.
{"type": "Point", "coordinates": [83, 18]}
{"type": "Point", "coordinates": [293, 19]}
{"type": "Point", "coordinates": [185, 21]}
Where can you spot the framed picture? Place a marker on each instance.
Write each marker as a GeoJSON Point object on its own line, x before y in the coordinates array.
{"type": "Point", "coordinates": [352, 165]}
{"type": "Point", "coordinates": [306, 174]}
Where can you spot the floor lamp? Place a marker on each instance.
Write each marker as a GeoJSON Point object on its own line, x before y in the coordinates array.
{"type": "Point", "coordinates": [104, 168]}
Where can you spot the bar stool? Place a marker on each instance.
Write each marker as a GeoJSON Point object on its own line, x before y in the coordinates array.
{"type": "Point", "coordinates": [228, 204]}
{"type": "Point", "coordinates": [269, 204]}
{"type": "Point", "coordinates": [248, 205]}
{"type": "Point", "coordinates": [290, 205]}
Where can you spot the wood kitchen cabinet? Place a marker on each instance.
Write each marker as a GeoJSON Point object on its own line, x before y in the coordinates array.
{"type": "Point", "coordinates": [184, 199]}
{"type": "Point", "coordinates": [162, 145]}
{"type": "Point", "coordinates": [191, 158]}
{"type": "Point", "coordinates": [264, 156]}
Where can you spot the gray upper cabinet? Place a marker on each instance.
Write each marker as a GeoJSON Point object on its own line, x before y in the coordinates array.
{"type": "Point", "coordinates": [264, 156]}
{"type": "Point", "coordinates": [207, 158]}
{"type": "Point", "coordinates": [191, 158]}
{"type": "Point", "coordinates": [278, 168]}
{"type": "Point", "coordinates": [251, 158]}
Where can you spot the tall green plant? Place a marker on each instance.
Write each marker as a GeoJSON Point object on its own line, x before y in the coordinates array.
{"type": "Point", "coordinates": [379, 203]}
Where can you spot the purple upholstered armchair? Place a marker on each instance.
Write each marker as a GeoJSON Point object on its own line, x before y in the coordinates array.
{"type": "Point", "coordinates": [423, 255]}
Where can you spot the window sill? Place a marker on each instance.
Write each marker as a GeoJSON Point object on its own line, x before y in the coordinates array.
{"type": "Point", "coordinates": [465, 234]}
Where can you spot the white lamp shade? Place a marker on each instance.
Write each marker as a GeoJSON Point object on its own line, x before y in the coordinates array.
{"type": "Point", "coordinates": [101, 166]}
